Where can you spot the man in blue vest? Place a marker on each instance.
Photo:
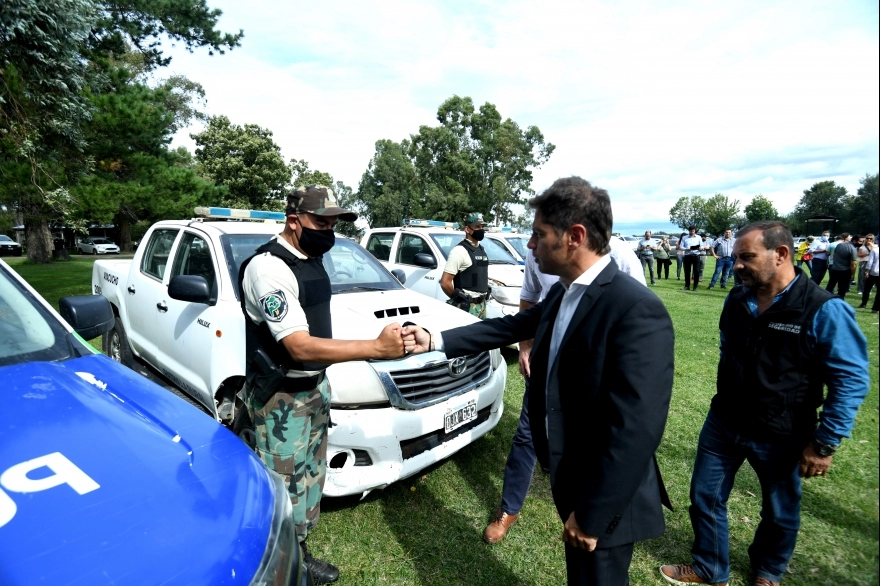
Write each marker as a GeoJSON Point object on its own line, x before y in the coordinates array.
{"type": "Point", "coordinates": [286, 302]}
{"type": "Point", "coordinates": [465, 277]}
{"type": "Point", "coordinates": [783, 339]}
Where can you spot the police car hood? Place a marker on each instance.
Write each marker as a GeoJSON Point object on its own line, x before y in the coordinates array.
{"type": "Point", "coordinates": [508, 274]}
{"type": "Point", "coordinates": [123, 480]}
{"type": "Point", "coordinates": [364, 314]}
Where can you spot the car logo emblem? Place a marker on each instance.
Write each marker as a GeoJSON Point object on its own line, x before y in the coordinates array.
{"type": "Point", "coordinates": [457, 366]}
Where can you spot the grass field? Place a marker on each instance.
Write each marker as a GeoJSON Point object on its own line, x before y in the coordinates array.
{"type": "Point", "coordinates": [428, 529]}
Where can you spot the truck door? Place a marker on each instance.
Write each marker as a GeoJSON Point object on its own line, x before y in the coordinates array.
{"type": "Point", "coordinates": [143, 289]}
{"type": "Point", "coordinates": [186, 335]}
{"type": "Point", "coordinates": [423, 280]}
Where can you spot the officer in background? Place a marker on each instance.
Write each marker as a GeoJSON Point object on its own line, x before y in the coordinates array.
{"type": "Point", "coordinates": [465, 277]}
{"type": "Point", "coordinates": [286, 302]}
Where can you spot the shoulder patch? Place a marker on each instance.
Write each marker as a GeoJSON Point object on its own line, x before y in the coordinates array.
{"type": "Point", "coordinates": [274, 305]}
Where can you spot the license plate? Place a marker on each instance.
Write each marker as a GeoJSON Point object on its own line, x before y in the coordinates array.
{"type": "Point", "coordinates": [457, 417]}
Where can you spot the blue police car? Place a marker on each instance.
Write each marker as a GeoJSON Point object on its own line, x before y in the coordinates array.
{"type": "Point", "coordinates": [106, 478]}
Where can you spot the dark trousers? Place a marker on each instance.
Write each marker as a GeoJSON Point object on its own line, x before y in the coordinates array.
{"type": "Point", "coordinates": [840, 278]}
{"type": "Point", "coordinates": [663, 265]}
{"type": "Point", "coordinates": [600, 567]}
{"type": "Point", "coordinates": [691, 266]}
{"type": "Point", "coordinates": [818, 268]}
{"type": "Point", "coordinates": [870, 282]}
{"type": "Point", "coordinates": [649, 262]}
{"type": "Point", "coordinates": [520, 463]}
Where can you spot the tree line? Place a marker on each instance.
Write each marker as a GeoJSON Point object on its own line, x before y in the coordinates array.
{"type": "Point", "coordinates": [856, 213]}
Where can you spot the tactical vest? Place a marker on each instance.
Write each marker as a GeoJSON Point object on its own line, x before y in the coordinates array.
{"type": "Point", "coordinates": [475, 277]}
{"type": "Point", "coordinates": [314, 298]}
{"type": "Point", "coordinates": [770, 383]}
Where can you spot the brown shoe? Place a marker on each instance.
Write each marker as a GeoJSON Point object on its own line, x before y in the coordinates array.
{"type": "Point", "coordinates": [682, 575]}
{"type": "Point", "coordinates": [497, 529]}
{"type": "Point", "coordinates": [762, 581]}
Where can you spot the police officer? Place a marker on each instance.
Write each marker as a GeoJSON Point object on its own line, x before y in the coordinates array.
{"type": "Point", "coordinates": [465, 277]}
{"type": "Point", "coordinates": [286, 300]}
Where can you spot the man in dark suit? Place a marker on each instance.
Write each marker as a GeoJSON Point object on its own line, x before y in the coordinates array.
{"type": "Point", "coordinates": [601, 380]}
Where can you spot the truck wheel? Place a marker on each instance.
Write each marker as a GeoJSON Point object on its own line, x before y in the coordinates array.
{"type": "Point", "coordinates": [244, 428]}
{"type": "Point", "coordinates": [115, 345]}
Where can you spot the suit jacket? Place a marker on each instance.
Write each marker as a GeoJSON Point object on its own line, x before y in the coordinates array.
{"type": "Point", "coordinates": [598, 418]}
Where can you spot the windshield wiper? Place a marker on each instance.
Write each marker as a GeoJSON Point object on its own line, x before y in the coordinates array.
{"type": "Point", "coordinates": [501, 262]}
{"type": "Point", "coordinates": [361, 288]}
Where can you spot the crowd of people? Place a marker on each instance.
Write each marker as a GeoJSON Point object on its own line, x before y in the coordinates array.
{"type": "Point", "coordinates": [595, 405]}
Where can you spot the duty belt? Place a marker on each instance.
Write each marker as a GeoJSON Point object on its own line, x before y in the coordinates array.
{"type": "Point", "coordinates": [303, 383]}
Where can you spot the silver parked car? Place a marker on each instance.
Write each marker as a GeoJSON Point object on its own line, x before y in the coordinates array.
{"type": "Point", "coordinates": [8, 246]}
{"type": "Point", "coordinates": [97, 245]}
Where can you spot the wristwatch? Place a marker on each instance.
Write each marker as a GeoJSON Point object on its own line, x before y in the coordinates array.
{"type": "Point", "coordinates": [824, 449]}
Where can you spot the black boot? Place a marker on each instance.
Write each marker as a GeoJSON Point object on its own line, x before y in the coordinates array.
{"type": "Point", "coordinates": [322, 572]}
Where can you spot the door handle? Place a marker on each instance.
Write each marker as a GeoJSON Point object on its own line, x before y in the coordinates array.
{"type": "Point", "coordinates": [131, 289]}
{"type": "Point", "coordinates": [162, 307]}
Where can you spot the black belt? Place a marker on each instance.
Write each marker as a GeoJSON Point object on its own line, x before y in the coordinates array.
{"type": "Point", "coordinates": [304, 383]}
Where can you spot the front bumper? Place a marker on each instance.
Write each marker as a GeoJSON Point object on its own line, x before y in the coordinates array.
{"type": "Point", "coordinates": [399, 443]}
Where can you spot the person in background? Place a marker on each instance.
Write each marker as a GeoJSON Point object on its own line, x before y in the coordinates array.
{"type": "Point", "coordinates": [864, 252]}
{"type": "Point", "coordinates": [465, 277]}
{"type": "Point", "coordinates": [804, 256]}
{"type": "Point", "coordinates": [844, 262]}
{"type": "Point", "coordinates": [661, 255]}
{"type": "Point", "coordinates": [819, 265]}
{"type": "Point", "coordinates": [691, 245]}
{"type": "Point", "coordinates": [722, 250]}
{"type": "Point", "coordinates": [705, 248]}
{"type": "Point", "coordinates": [645, 250]}
{"type": "Point", "coordinates": [872, 278]}
{"type": "Point", "coordinates": [679, 256]}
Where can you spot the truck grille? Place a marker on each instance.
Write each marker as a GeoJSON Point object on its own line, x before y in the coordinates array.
{"type": "Point", "coordinates": [428, 384]}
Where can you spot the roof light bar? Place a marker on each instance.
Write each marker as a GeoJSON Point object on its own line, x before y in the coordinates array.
{"type": "Point", "coordinates": [240, 214]}
{"type": "Point", "coordinates": [414, 223]}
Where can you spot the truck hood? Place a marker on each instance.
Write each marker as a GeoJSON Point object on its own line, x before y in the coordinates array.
{"type": "Point", "coordinates": [362, 314]}
{"type": "Point", "coordinates": [510, 275]}
{"type": "Point", "coordinates": [163, 475]}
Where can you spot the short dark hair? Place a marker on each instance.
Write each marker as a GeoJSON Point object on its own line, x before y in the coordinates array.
{"type": "Point", "coordinates": [843, 236]}
{"type": "Point", "coordinates": [573, 200]}
{"type": "Point", "coordinates": [774, 234]}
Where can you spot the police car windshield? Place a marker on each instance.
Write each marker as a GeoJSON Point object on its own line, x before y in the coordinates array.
{"type": "Point", "coordinates": [519, 244]}
{"type": "Point", "coordinates": [349, 266]}
{"type": "Point", "coordinates": [28, 332]}
{"type": "Point", "coordinates": [496, 252]}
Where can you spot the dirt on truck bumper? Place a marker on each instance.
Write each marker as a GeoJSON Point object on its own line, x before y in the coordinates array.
{"type": "Point", "coordinates": [369, 449]}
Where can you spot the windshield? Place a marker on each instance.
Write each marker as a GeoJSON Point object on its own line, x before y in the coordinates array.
{"type": "Point", "coordinates": [349, 266]}
{"type": "Point", "coordinates": [101, 241]}
{"type": "Point", "coordinates": [28, 332]}
{"type": "Point", "coordinates": [520, 244]}
{"type": "Point", "coordinates": [496, 252]}
{"type": "Point", "coordinates": [4, 238]}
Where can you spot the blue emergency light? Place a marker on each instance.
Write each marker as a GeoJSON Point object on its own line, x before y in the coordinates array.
{"type": "Point", "coordinates": [240, 214]}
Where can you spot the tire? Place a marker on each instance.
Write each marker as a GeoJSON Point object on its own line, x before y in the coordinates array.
{"type": "Point", "coordinates": [80, 250]}
{"type": "Point", "coordinates": [115, 345]}
{"type": "Point", "coordinates": [243, 427]}
{"type": "Point", "coordinates": [95, 251]}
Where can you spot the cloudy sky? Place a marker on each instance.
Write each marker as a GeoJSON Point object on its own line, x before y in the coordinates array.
{"type": "Point", "coordinates": [651, 101]}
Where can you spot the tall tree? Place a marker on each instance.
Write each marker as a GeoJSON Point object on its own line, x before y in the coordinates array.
{"type": "Point", "coordinates": [863, 210]}
{"type": "Point", "coordinates": [760, 209]}
{"type": "Point", "coordinates": [721, 212]}
{"type": "Point", "coordinates": [689, 211]}
{"type": "Point", "coordinates": [302, 175]}
{"type": "Point", "coordinates": [475, 161]}
{"type": "Point", "coordinates": [824, 198]}
{"type": "Point", "coordinates": [389, 190]}
{"type": "Point", "coordinates": [244, 159]}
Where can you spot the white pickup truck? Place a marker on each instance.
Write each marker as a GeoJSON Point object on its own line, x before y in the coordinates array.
{"type": "Point", "coordinates": [420, 251]}
{"type": "Point", "coordinates": [390, 418]}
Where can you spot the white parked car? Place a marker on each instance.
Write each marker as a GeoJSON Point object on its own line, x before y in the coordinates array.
{"type": "Point", "coordinates": [8, 246]}
{"type": "Point", "coordinates": [515, 244]}
{"type": "Point", "coordinates": [97, 245]}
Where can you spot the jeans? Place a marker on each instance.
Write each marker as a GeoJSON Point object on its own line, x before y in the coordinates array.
{"type": "Point", "coordinates": [809, 264]}
{"type": "Point", "coordinates": [723, 266]}
{"type": "Point", "coordinates": [840, 278]}
{"type": "Point", "coordinates": [860, 279]}
{"type": "Point", "coordinates": [720, 453]}
{"type": "Point", "coordinates": [520, 463]}
{"type": "Point", "coordinates": [679, 262]}
{"type": "Point", "coordinates": [818, 268]}
{"type": "Point", "coordinates": [649, 261]}
{"type": "Point", "coordinates": [702, 268]}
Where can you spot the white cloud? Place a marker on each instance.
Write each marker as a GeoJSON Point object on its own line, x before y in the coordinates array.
{"type": "Point", "coordinates": [650, 101]}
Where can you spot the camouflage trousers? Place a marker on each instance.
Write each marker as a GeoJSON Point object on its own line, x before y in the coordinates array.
{"type": "Point", "coordinates": [291, 438]}
{"type": "Point", "coordinates": [476, 309]}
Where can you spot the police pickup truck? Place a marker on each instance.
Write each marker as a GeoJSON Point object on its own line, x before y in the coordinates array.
{"type": "Point", "coordinates": [389, 418]}
{"type": "Point", "coordinates": [107, 478]}
{"type": "Point", "coordinates": [420, 249]}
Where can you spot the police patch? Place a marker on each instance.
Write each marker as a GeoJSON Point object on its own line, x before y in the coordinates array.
{"type": "Point", "coordinates": [274, 305]}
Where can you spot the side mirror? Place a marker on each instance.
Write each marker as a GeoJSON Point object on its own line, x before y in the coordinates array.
{"type": "Point", "coordinates": [425, 260]}
{"type": "Point", "coordinates": [191, 288]}
{"type": "Point", "coordinates": [399, 275]}
{"type": "Point", "coordinates": [89, 315]}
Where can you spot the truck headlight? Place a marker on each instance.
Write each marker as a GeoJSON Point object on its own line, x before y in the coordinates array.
{"type": "Point", "coordinates": [507, 295]}
{"type": "Point", "coordinates": [495, 355]}
{"type": "Point", "coordinates": [281, 557]}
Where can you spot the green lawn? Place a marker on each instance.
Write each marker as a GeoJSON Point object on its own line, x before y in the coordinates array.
{"type": "Point", "coordinates": [428, 529]}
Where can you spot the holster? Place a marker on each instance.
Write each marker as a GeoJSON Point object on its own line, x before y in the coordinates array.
{"type": "Point", "coordinates": [264, 377]}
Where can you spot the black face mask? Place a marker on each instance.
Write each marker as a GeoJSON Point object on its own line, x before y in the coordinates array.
{"type": "Point", "coordinates": [316, 242]}
{"type": "Point", "coordinates": [478, 235]}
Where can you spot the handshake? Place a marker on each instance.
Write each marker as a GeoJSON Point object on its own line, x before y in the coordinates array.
{"type": "Point", "coordinates": [396, 341]}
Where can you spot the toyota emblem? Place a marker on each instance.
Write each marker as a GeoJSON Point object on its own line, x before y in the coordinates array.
{"type": "Point", "coordinates": [457, 366]}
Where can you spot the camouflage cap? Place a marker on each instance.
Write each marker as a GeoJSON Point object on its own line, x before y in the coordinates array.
{"type": "Point", "coordinates": [473, 218]}
{"type": "Point", "coordinates": [318, 200]}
